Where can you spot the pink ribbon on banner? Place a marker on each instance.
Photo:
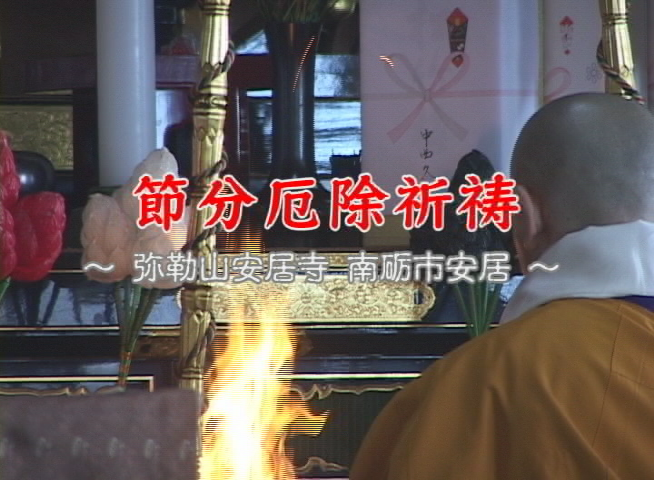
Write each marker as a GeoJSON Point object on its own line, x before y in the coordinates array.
{"type": "Point", "coordinates": [565, 82]}
{"type": "Point", "coordinates": [428, 95]}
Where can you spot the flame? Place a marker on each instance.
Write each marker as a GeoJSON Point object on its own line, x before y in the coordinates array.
{"type": "Point", "coordinates": [251, 409]}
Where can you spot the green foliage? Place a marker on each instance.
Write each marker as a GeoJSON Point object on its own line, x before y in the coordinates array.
{"type": "Point", "coordinates": [479, 304]}
{"type": "Point", "coordinates": [133, 306]}
{"type": "Point", "coordinates": [4, 284]}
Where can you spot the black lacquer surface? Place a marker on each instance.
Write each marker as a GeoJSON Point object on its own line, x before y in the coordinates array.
{"type": "Point", "coordinates": [70, 299]}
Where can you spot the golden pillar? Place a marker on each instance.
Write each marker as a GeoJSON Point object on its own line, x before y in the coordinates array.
{"type": "Point", "coordinates": [209, 109]}
{"type": "Point", "coordinates": [614, 53]}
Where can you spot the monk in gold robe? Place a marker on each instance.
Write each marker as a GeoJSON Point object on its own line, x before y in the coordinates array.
{"type": "Point", "coordinates": [564, 387]}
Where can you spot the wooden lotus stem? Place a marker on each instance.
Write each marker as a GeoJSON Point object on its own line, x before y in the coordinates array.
{"type": "Point", "coordinates": [616, 47]}
{"type": "Point", "coordinates": [209, 111]}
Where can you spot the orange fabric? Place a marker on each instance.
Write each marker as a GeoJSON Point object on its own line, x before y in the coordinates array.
{"type": "Point", "coordinates": [565, 392]}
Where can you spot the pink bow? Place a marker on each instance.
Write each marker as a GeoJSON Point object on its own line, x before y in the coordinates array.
{"type": "Point", "coordinates": [436, 90]}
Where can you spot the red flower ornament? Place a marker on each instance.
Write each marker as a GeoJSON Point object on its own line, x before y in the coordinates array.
{"type": "Point", "coordinates": [39, 223]}
{"type": "Point", "coordinates": [7, 243]}
{"type": "Point", "coordinates": [31, 227]}
{"type": "Point", "coordinates": [9, 181]}
{"type": "Point", "coordinates": [9, 187]}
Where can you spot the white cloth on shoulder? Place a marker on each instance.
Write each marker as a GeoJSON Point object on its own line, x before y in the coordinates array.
{"type": "Point", "coordinates": [596, 262]}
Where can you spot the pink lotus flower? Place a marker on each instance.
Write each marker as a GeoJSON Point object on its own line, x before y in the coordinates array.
{"type": "Point", "coordinates": [110, 235]}
{"type": "Point", "coordinates": [107, 237]}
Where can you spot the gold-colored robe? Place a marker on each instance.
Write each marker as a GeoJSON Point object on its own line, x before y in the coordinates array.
{"type": "Point", "coordinates": [565, 392]}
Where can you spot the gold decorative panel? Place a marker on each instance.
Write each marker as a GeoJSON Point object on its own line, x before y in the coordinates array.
{"type": "Point", "coordinates": [45, 129]}
{"type": "Point", "coordinates": [337, 300]}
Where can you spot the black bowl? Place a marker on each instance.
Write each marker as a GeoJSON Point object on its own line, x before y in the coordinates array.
{"type": "Point", "coordinates": [36, 172]}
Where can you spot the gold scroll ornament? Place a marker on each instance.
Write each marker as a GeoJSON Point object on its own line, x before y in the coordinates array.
{"type": "Point", "coordinates": [209, 110]}
{"type": "Point", "coordinates": [203, 303]}
{"type": "Point", "coordinates": [617, 43]}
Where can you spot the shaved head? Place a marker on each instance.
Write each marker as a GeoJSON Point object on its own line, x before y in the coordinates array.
{"type": "Point", "coordinates": [583, 160]}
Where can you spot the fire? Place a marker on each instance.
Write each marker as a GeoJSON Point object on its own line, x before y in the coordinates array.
{"type": "Point", "coordinates": [250, 411]}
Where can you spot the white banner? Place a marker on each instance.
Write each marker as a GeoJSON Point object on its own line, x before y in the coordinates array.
{"type": "Point", "coordinates": [572, 31]}
{"type": "Point", "coordinates": [439, 79]}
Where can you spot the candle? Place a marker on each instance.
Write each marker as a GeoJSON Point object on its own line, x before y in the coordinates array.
{"type": "Point", "coordinates": [126, 86]}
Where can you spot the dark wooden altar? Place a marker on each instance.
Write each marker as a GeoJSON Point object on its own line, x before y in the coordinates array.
{"type": "Point", "coordinates": [350, 370]}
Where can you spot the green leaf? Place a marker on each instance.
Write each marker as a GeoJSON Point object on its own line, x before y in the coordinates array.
{"type": "Point", "coordinates": [478, 304]}
{"type": "Point", "coordinates": [133, 307]}
{"type": "Point", "coordinates": [494, 301]}
{"type": "Point", "coordinates": [4, 284]}
{"type": "Point", "coordinates": [464, 309]}
{"type": "Point", "coordinates": [484, 301]}
{"type": "Point", "coordinates": [474, 300]}
{"type": "Point", "coordinates": [119, 302]}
